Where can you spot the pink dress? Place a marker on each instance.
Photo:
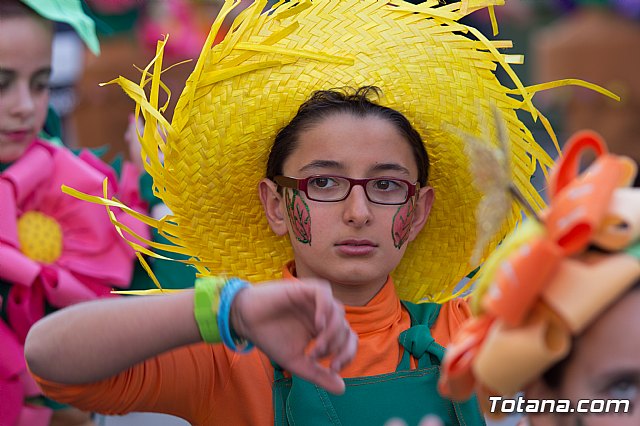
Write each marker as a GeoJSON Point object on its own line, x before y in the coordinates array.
{"type": "Point", "coordinates": [55, 251]}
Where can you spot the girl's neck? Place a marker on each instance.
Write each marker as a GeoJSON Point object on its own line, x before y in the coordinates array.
{"type": "Point", "coordinates": [355, 295]}
{"type": "Point", "coordinates": [349, 294]}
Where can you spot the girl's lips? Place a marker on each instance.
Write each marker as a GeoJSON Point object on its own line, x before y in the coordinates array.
{"type": "Point", "coordinates": [356, 247]}
{"type": "Point", "coordinates": [17, 136]}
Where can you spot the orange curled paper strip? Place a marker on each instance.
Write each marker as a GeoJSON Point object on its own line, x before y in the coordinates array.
{"type": "Point", "coordinates": [457, 380]}
{"type": "Point", "coordinates": [579, 204]}
{"type": "Point", "coordinates": [510, 357]}
{"type": "Point", "coordinates": [521, 279]}
{"type": "Point", "coordinates": [567, 168]}
{"type": "Point", "coordinates": [583, 287]}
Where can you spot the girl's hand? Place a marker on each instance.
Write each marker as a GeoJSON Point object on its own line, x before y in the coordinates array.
{"type": "Point", "coordinates": [297, 325]}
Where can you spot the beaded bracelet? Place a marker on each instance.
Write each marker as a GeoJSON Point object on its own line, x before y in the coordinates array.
{"type": "Point", "coordinates": [229, 338]}
{"type": "Point", "coordinates": [206, 301]}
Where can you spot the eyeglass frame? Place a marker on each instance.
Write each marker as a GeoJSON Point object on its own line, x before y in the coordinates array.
{"type": "Point", "coordinates": [301, 184]}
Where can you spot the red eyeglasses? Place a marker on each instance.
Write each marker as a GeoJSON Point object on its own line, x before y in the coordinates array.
{"type": "Point", "coordinates": [330, 188]}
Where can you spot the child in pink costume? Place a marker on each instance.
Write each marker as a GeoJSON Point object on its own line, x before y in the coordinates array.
{"type": "Point", "coordinates": [54, 249]}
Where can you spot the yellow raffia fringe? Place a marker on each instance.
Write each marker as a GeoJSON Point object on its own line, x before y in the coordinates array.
{"type": "Point", "coordinates": [207, 162]}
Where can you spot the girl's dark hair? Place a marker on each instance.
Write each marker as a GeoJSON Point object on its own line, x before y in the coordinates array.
{"type": "Point", "coordinates": [554, 376]}
{"type": "Point", "coordinates": [325, 103]}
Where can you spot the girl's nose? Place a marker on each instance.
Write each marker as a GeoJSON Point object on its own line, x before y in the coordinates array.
{"type": "Point", "coordinates": [22, 100]}
{"type": "Point", "coordinates": [357, 207]}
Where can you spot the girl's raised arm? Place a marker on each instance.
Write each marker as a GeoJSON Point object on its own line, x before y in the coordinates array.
{"type": "Point", "coordinates": [95, 340]}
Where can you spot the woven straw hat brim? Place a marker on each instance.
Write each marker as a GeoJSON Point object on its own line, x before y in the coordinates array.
{"type": "Point", "coordinates": [245, 89]}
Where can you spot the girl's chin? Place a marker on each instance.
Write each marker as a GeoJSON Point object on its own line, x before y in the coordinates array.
{"type": "Point", "coordinates": [355, 275]}
{"type": "Point", "coordinates": [11, 154]}
{"type": "Point", "coordinates": [9, 158]}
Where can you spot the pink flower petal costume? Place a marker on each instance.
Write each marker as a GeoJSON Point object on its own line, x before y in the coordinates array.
{"type": "Point", "coordinates": [55, 251]}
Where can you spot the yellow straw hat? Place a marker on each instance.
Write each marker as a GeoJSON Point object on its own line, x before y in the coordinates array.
{"type": "Point", "coordinates": [243, 90]}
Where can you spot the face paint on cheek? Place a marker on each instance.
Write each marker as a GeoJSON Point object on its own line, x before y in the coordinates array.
{"type": "Point", "coordinates": [299, 216]}
{"type": "Point", "coordinates": [401, 224]}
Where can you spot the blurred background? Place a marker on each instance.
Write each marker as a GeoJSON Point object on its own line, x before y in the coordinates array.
{"type": "Point", "coordinates": [594, 40]}
{"type": "Point", "coordinates": [95, 116]}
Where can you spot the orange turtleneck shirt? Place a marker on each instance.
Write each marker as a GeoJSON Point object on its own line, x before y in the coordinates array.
{"type": "Point", "coordinates": [211, 385]}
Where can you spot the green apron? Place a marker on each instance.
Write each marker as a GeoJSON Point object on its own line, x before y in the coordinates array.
{"type": "Point", "coordinates": [372, 400]}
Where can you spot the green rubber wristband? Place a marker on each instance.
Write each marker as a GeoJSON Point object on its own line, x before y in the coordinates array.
{"type": "Point", "coordinates": [206, 300]}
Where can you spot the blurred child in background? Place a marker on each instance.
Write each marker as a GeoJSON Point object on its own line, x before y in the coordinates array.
{"type": "Point", "coordinates": [54, 250]}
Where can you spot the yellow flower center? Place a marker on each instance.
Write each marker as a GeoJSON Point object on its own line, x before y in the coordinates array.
{"type": "Point", "coordinates": [40, 237]}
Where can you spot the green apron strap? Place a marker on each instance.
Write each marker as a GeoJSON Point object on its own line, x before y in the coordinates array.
{"type": "Point", "coordinates": [278, 374]}
{"type": "Point", "coordinates": [422, 313]}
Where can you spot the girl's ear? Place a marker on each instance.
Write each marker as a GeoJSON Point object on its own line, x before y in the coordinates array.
{"type": "Point", "coordinates": [272, 205]}
{"type": "Point", "coordinates": [421, 211]}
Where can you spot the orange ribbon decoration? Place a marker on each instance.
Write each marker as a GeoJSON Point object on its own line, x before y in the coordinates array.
{"type": "Point", "coordinates": [577, 208]}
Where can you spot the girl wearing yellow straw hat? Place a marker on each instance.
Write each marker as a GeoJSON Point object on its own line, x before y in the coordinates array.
{"type": "Point", "coordinates": [557, 305]}
{"type": "Point", "coordinates": [367, 189]}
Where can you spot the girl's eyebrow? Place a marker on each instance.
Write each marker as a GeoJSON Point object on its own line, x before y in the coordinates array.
{"type": "Point", "coordinates": [380, 167]}
{"type": "Point", "coordinates": [43, 71]}
{"type": "Point", "coordinates": [46, 72]}
{"type": "Point", "coordinates": [383, 167]}
{"type": "Point", "coordinates": [322, 164]}
{"type": "Point", "coordinates": [616, 373]}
